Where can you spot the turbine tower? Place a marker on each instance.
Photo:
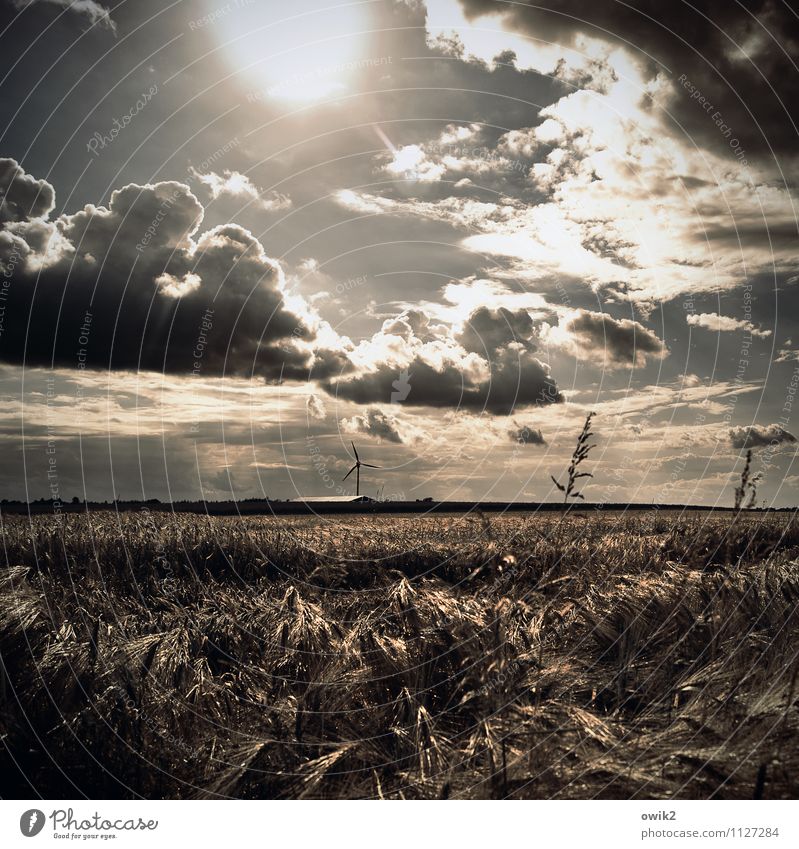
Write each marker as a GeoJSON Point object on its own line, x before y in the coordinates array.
{"type": "Point", "coordinates": [357, 469]}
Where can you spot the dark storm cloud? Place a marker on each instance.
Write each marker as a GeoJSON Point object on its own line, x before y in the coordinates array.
{"type": "Point", "coordinates": [375, 422]}
{"type": "Point", "coordinates": [777, 235]}
{"type": "Point", "coordinates": [138, 285]}
{"type": "Point", "coordinates": [697, 40]}
{"type": "Point", "coordinates": [135, 285]}
{"type": "Point", "coordinates": [487, 330]}
{"type": "Point", "coordinates": [613, 341]}
{"type": "Point", "coordinates": [523, 435]}
{"type": "Point", "coordinates": [490, 365]}
{"type": "Point", "coordinates": [759, 436]}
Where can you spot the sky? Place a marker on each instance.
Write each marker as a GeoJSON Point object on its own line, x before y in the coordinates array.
{"type": "Point", "coordinates": [236, 237]}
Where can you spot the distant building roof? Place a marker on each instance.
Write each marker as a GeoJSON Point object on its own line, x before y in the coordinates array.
{"type": "Point", "coordinates": [333, 499]}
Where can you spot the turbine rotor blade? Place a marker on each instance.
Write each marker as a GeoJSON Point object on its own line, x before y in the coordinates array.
{"type": "Point", "coordinates": [370, 466]}
{"type": "Point", "coordinates": [349, 473]}
{"type": "Point", "coordinates": [355, 450]}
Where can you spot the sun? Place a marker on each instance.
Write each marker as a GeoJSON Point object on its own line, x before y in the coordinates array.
{"type": "Point", "coordinates": [306, 50]}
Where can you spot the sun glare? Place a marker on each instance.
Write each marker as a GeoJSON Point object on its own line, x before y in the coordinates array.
{"type": "Point", "coordinates": [306, 50]}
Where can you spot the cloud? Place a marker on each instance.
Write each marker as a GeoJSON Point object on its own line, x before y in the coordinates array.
{"type": "Point", "coordinates": [488, 363]}
{"type": "Point", "coordinates": [758, 436]}
{"type": "Point", "coordinates": [739, 56]}
{"type": "Point", "coordinates": [374, 422]}
{"type": "Point", "coordinates": [315, 407]}
{"type": "Point", "coordinates": [411, 163]}
{"type": "Point", "coordinates": [461, 298]}
{"type": "Point", "coordinates": [23, 197]}
{"type": "Point", "coordinates": [461, 153]}
{"type": "Point", "coordinates": [96, 13]}
{"type": "Point", "coordinates": [175, 288]}
{"type": "Point", "coordinates": [220, 481]}
{"type": "Point", "coordinates": [787, 354]}
{"type": "Point", "coordinates": [489, 330]}
{"type": "Point", "coordinates": [523, 435]}
{"type": "Point", "coordinates": [689, 381]}
{"type": "Point", "coordinates": [235, 184]}
{"type": "Point", "coordinates": [603, 186]}
{"type": "Point", "coordinates": [611, 342]}
{"type": "Point", "coordinates": [364, 203]}
{"type": "Point", "coordinates": [542, 237]}
{"type": "Point", "coordinates": [723, 323]}
{"type": "Point", "coordinates": [137, 285]}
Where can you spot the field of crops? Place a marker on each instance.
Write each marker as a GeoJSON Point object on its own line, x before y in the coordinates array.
{"type": "Point", "coordinates": [580, 656]}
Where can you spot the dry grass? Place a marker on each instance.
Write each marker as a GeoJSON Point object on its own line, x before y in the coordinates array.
{"type": "Point", "coordinates": [583, 656]}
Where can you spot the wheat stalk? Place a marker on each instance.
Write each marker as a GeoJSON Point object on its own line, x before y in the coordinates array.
{"type": "Point", "coordinates": [746, 491]}
{"type": "Point", "coordinates": [579, 455]}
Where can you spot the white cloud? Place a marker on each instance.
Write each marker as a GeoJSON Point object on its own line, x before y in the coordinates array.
{"type": "Point", "coordinates": [460, 298]}
{"type": "Point", "coordinates": [411, 163]}
{"type": "Point", "coordinates": [363, 202]}
{"type": "Point", "coordinates": [174, 287]}
{"type": "Point", "coordinates": [723, 323]}
{"type": "Point", "coordinates": [315, 407]}
{"type": "Point", "coordinates": [96, 13]}
{"type": "Point", "coordinates": [235, 184]}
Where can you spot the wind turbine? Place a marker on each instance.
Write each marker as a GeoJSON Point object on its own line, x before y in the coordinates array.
{"type": "Point", "coordinates": [357, 469]}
